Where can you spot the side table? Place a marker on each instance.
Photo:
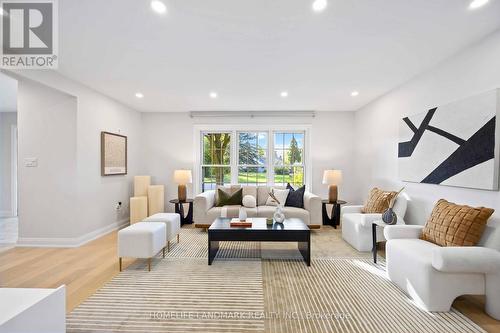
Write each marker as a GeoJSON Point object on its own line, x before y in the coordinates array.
{"type": "Point", "coordinates": [375, 224]}
{"type": "Point", "coordinates": [179, 209]}
{"type": "Point", "coordinates": [334, 220]}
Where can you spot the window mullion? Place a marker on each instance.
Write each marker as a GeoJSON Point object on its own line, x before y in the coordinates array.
{"type": "Point", "coordinates": [270, 158]}
{"type": "Point", "coordinates": [234, 156]}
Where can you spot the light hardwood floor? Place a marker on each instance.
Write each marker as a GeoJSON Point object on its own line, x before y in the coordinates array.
{"type": "Point", "coordinates": [85, 269]}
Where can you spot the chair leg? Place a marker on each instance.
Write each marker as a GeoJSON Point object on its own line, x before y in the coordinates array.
{"type": "Point", "coordinates": [120, 263]}
{"type": "Point", "coordinates": [149, 264]}
{"type": "Point", "coordinates": [178, 238]}
{"type": "Point", "coordinates": [163, 250]}
{"type": "Point", "coordinates": [168, 246]}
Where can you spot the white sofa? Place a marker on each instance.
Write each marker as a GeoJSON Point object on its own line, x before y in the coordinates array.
{"type": "Point", "coordinates": [357, 227]}
{"type": "Point", "coordinates": [433, 276]}
{"type": "Point", "coordinates": [205, 211]}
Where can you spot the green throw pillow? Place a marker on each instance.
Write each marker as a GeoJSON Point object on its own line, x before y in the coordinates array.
{"type": "Point", "coordinates": [226, 199]}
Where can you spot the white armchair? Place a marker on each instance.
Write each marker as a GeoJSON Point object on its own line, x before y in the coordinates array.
{"type": "Point", "coordinates": [356, 226]}
{"type": "Point", "coordinates": [434, 276]}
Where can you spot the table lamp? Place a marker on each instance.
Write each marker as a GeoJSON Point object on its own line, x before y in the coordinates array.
{"type": "Point", "coordinates": [182, 177]}
{"type": "Point", "coordinates": [332, 178]}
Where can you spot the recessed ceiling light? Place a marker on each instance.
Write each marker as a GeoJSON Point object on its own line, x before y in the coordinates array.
{"type": "Point", "coordinates": [319, 5]}
{"type": "Point", "coordinates": [213, 94]}
{"type": "Point", "coordinates": [158, 6]}
{"type": "Point", "coordinates": [477, 3]}
{"type": "Point", "coordinates": [284, 94]}
{"type": "Point", "coordinates": [139, 95]}
{"type": "Point", "coordinates": [354, 93]}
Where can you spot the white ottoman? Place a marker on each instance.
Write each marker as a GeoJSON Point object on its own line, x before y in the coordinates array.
{"type": "Point", "coordinates": [173, 223]}
{"type": "Point", "coordinates": [142, 240]}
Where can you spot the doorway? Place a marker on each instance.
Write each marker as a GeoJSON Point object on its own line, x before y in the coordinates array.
{"type": "Point", "coordinates": [8, 162]}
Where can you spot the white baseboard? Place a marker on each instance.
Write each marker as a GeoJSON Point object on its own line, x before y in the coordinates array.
{"type": "Point", "coordinates": [71, 242]}
{"type": "Point", "coordinates": [5, 213]}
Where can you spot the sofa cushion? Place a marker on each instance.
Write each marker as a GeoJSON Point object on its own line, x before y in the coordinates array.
{"type": "Point", "coordinates": [263, 194]}
{"type": "Point", "coordinates": [249, 201]}
{"type": "Point", "coordinates": [230, 189]}
{"type": "Point", "coordinates": [378, 201]}
{"type": "Point", "coordinates": [226, 199]}
{"type": "Point", "coordinates": [250, 190]}
{"type": "Point", "coordinates": [295, 196]}
{"type": "Point", "coordinates": [299, 213]}
{"type": "Point", "coordinates": [280, 195]}
{"type": "Point", "coordinates": [455, 225]}
{"type": "Point", "coordinates": [265, 211]}
{"type": "Point", "coordinates": [290, 212]}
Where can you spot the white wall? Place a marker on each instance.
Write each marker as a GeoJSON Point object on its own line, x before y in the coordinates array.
{"type": "Point", "coordinates": [47, 193]}
{"type": "Point", "coordinates": [7, 120]}
{"type": "Point", "coordinates": [93, 198]}
{"type": "Point", "coordinates": [470, 72]}
{"type": "Point", "coordinates": [168, 142]}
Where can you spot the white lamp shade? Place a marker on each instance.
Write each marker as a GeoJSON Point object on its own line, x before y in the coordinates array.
{"type": "Point", "coordinates": [332, 177]}
{"type": "Point", "coordinates": [183, 177]}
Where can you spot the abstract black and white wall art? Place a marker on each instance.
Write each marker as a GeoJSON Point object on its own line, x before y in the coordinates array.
{"type": "Point", "coordinates": [455, 145]}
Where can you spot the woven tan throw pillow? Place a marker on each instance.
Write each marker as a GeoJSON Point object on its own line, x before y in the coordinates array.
{"type": "Point", "coordinates": [455, 225]}
{"type": "Point", "coordinates": [378, 201]}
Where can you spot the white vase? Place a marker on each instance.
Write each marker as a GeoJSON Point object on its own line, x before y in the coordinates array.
{"type": "Point", "coordinates": [242, 214]}
{"type": "Point", "coordinates": [279, 215]}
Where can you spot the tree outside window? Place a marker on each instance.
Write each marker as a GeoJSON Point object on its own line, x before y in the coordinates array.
{"type": "Point", "coordinates": [216, 166]}
{"type": "Point", "coordinates": [288, 158]}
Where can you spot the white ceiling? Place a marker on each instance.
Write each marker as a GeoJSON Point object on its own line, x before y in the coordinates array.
{"type": "Point", "coordinates": [8, 94]}
{"type": "Point", "coordinates": [248, 51]}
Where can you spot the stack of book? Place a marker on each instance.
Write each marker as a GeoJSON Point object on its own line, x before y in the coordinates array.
{"type": "Point", "coordinates": [239, 223]}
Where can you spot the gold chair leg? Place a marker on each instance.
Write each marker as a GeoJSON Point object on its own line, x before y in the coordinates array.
{"type": "Point", "coordinates": [120, 263]}
{"type": "Point", "coordinates": [149, 264]}
{"type": "Point", "coordinates": [178, 238]}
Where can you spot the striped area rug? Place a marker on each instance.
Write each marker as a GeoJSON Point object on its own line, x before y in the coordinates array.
{"type": "Point", "coordinates": [194, 244]}
{"type": "Point", "coordinates": [178, 295]}
{"type": "Point", "coordinates": [346, 295]}
{"type": "Point", "coordinates": [242, 292]}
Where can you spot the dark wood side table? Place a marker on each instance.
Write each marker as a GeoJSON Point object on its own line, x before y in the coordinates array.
{"type": "Point", "coordinates": [376, 224]}
{"type": "Point", "coordinates": [334, 221]}
{"type": "Point", "coordinates": [179, 209]}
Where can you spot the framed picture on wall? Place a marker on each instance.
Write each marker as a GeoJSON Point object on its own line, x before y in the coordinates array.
{"type": "Point", "coordinates": [457, 144]}
{"type": "Point", "coordinates": [113, 154]}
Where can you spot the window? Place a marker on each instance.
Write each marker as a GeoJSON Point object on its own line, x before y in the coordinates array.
{"type": "Point", "coordinates": [216, 160]}
{"type": "Point", "coordinates": [252, 158]}
{"type": "Point", "coordinates": [288, 158]}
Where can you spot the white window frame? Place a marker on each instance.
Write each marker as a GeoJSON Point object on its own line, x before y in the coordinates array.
{"type": "Point", "coordinates": [200, 155]}
{"type": "Point", "coordinates": [303, 164]}
{"type": "Point", "coordinates": [238, 165]}
{"type": "Point", "coordinates": [199, 130]}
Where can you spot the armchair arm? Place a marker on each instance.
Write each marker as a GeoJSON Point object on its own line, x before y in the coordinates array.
{"type": "Point", "coordinates": [202, 203]}
{"type": "Point", "coordinates": [466, 259]}
{"type": "Point", "coordinates": [351, 209]}
{"type": "Point", "coordinates": [402, 231]}
{"type": "Point", "coordinates": [368, 219]}
{"type": "Point", "coordinates": [312, 203]}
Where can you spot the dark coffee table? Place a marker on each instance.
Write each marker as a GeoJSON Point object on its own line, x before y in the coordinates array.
{"type": "Point", "coordinates": [292, 230]}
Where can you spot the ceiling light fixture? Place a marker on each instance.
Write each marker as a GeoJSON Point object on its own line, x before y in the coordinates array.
{"type": "Point", "coordinates": [319, 5]}
{"type": "Point", "coordinates": [158, 6]}
{"type": "Point", "coordinates": [477, 3]}
{"type": "Point", "coordinates": [213, 94]}
{"type": "Point", "coordinates": [284, 94]}
{"type": "Point", "coordinates": [354, 93]}
{"type": "Point", "coordinates": [139, 95]}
